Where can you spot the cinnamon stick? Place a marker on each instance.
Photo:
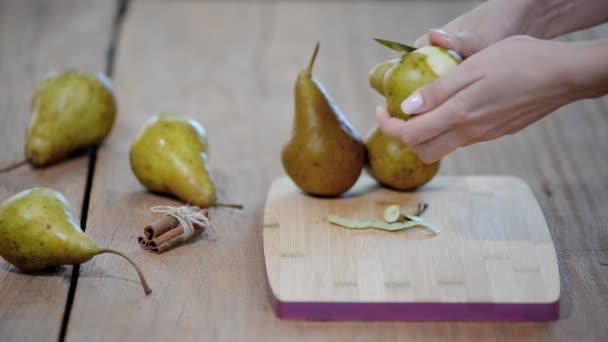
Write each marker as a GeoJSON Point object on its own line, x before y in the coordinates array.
{"type": "Point", "coordinates": [160, 227]}
{"type": "Point", "coordinates": [165, 246]}
{"type": "Point", "coordinates": [143, 242]}
{"type": "Point", "coordinates": [171, 234]}
{"type": "Point", "coordinates": [164, 234]}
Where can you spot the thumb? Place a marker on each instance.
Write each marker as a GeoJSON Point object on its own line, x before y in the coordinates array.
{"type": "Point", "coordinates": [422, 41]}
{"type": "Point", "coordinates": [465, 43]}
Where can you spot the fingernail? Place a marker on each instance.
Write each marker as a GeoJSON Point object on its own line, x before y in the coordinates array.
{"type": "Point", "coordinates": [444, 35]}
{"type": "Point", "coordinates": [420, 42]}
{"type": "Point", "coordinates": [378, 110]}
{"type": "Point", "coordinates": [412, 104]}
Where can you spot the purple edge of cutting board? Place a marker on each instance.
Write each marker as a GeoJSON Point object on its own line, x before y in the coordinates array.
{"type": "Point", "coordinates": [334, 311]}
{"type": "Point", "coordinates": [411, 311]}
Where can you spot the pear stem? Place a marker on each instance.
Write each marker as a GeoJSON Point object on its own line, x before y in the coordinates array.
{"type": "Point", "coordinates": [13, 166]}
{"type": "Point", "coordinates": [144, 283]}
{"type": "Point", "coordinates": [227, 205]}
{"type": "Point", "coordinates": [312, 60]}
{"type": "Point", "coordinates": [421, 208]}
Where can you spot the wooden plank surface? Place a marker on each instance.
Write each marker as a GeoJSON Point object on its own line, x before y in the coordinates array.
{"type": "Point", "coordinates": [36, 37]}
{"type": "Point", "coordinates": [231, 66]}
{"type": "Point", "coordinates": [494, 246]}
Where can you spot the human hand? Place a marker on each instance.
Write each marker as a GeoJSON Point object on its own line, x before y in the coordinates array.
{"type": "Point", "coordinates": [495, 92]}
{"type": "Point", "coordinates": [483, 26]}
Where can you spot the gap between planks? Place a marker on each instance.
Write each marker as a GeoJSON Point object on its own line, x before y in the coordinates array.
{"type": "Point", "coordinates": [122, 7]}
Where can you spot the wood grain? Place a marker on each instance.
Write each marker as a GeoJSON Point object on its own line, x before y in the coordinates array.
{"type": "Point", "coordinates": [231, 65]}
{"type": "Point", "coordinates": [36, 37]}
{"type": "Point", "coordinates": [494, 246]}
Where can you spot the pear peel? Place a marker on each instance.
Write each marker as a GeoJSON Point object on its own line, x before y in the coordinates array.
{"type": "Point", "coordinates": [392, 213]}
{"type": "Point", "coordinates": [394, 220]}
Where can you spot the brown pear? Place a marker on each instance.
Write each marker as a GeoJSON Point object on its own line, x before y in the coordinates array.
{"type": "Point", "coordinates": [325, 155]}
{"type": "Point", "coordinates": [395, 165]}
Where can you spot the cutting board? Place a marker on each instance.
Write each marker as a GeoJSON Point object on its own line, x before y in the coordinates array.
{"type": "Point", "coordinates": [494, 259]}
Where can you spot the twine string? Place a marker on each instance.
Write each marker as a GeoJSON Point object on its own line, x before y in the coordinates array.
{"type": "Point", "coordinates": [187, 216]}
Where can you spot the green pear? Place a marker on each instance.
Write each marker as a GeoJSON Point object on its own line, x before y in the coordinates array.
{"type": "Point", "coordinates": [324, 155]}
{"type": "Point", "coordinates": [376, 75]}
{"type": "Point", "coordinates": [395, 165]}
{"type": "Point", "coordinates": [39, 229]}
{"type": "Point", "coordinates": [170, 155]}
{"type": "Point", "coordinates": [397, 79]}
{"type": "Point", "coordinates": [70, 112]}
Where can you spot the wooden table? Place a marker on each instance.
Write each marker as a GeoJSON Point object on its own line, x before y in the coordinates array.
{"type": "Point", "coordinates": [231, 65]}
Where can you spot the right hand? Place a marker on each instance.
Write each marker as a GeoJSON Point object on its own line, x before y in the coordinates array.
{"type": "Point", "coordinates": [483, 26]}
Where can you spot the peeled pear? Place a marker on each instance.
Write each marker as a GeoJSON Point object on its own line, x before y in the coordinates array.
{"type": "Point", "coordinates": [324, 156]}
{"type": "Point", "coordinates": [170, 155]}
{"type": "Point", "coordinates": [395, 165]}
{"type": "Point", "coordinates": [71, 111]}
{"type": "Point", "coordinates": [39, 229]}
{"type": "Point", "coordinates": [397, 79]}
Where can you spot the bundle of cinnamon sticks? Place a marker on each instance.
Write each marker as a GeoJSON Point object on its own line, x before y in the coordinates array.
{"type": "Point", "coordinates": [166, 233]}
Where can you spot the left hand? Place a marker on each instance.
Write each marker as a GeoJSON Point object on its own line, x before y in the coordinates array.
{"type": "Point", "coordinates": [495, 92]}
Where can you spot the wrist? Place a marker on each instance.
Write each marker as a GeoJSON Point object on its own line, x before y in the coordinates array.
{"type": "Point", "coordinates": [585, 69]}
{"type": "Point", "coordinates": [541, 17]}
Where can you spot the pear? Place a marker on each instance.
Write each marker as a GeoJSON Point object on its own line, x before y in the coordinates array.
{"type": "Point", "coordinates": [376, 75]}
{"type": "Point", "coordinates": [324, 155]}
{"type": "Point", "coordinates": [71, 111]}
{"type": "Point", "coordinates": [170, 156]}
{"type": "Point", "coordinates": [39, 229]}
{"type": "Point", "coordinates": [395, 165]}
{"type": "Point", "coordinates": [397, 79]}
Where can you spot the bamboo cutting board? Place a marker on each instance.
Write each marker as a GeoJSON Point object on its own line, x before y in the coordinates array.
{"type": "Point", "coordinates": [494, 259]}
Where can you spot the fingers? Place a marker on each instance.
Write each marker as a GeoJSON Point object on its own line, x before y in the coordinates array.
{"type": "Point", "coordinates": [440, 146]}
{"type": "Point", "coordinates": [465, 43]}
{"type": "Point", "coordinates": [438, 91]}
{"type": "Point", "coordinates": [389, 125]}
{"type": "Point", "coordinates": [415, 130]}
{"type": "Point", "coordinates": [422, 41]}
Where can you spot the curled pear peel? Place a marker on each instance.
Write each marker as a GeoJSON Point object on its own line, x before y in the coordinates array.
{"type": "Point", "coordinates": [394, 220]}
{"type": "Point", "coordinates": [376, 75]}
{"type": "Point", "coordinates": [170, 155]}
{"type": "Point", "coordinates": [324, 155]}
{"type": "Point", "coordinates": [392, 213]}
{"type": "Point", "coordinates": [71, 111]}
{"type": "Point", "coordinates": [39, 229]}
{"type": "Point", "coordinates": [367, 224]}
{"type": "Point", "coordinates": [413, 70]}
